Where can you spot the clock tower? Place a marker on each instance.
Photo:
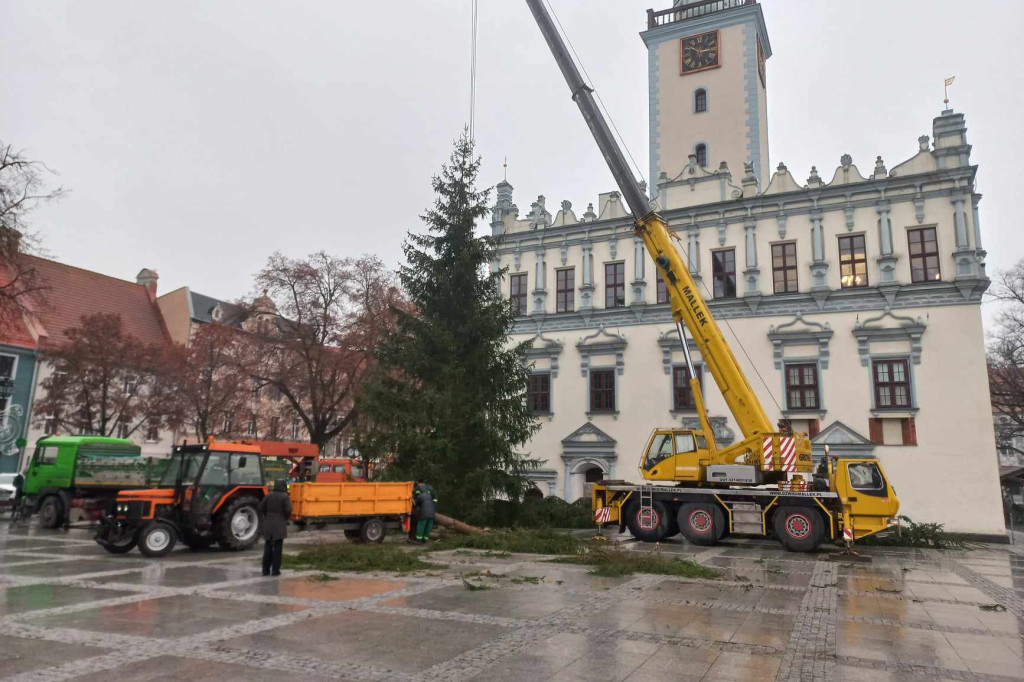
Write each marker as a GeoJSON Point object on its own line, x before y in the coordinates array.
{"type": "Point", "coordinates": [706, 66]}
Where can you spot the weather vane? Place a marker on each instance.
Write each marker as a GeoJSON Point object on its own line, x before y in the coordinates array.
{"type": "Point", "coordinates": [949, 81]}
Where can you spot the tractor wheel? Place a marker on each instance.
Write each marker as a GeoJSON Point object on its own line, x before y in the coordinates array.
{"type": "Point", "coordinates": [121, 544]}
{"type": "Point", "coordinates": [648, 524]}
{"type": "Point", "coordinates": [157, 539]}
{"type": "Point", "coordinates": [372, 530]}
{"type": "Point", "coordinates": [51, 512]}
{"type": "Point", "coordinates": [799, 529]}
{"type": "Point", "coordinates": [352, 535]}
{"type": "Point", "coordinates": [238, 524]}
{"type": "Point", "coordinates": [196, 541]}
{"type": "Point", "coordinates": [702, 524]}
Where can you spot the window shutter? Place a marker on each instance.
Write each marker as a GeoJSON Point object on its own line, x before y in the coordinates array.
{"type": "Point", "coordinates": [875, 430]}
{"type": "Point", "coordinates": [813, 428]}
{"type": "Point", "coordinates": [909, 431]}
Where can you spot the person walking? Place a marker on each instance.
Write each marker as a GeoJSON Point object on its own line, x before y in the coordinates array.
{"type": "Point", "coordinates": [275, 509]}
{"type": "Point", "coordinates": [426, 502]}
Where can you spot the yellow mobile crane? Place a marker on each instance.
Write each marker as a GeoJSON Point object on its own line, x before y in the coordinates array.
{"type": "Point", "coordinates": [758, 485]}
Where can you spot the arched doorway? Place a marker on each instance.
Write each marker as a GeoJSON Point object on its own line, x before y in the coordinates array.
{"type": "Point", "coordinates": [533, 495]}
{"type": "Point", "coordinates": [593, 475]}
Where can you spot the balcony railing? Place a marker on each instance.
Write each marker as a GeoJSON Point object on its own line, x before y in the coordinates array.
{"type": "Point", "coordinates": [701, 8]}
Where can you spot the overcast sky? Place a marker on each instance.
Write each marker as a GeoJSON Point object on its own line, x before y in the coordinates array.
{"type": "Point", "coordinates": [198, 137]}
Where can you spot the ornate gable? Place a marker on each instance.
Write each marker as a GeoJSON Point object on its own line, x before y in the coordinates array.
{"type": "Point", "coordinates": [841, 439]}
{"type": "Point", "coordinates": [588, 435]}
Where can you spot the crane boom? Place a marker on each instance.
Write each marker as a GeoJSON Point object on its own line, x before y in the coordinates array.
{"type": "Point", "coordinates": [688, 306]}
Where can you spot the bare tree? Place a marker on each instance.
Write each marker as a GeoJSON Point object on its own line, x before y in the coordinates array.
{"type": "Point", "coordinates": [106, 382]}
{"type": "Point", "coordinates": [1006, 357]}
{"type": "Point", "coordinates": [21, 190]}
{"type": "Point", "coordinates": [210, 389]}
{"type": "Point", "coordinates": [312, 332]}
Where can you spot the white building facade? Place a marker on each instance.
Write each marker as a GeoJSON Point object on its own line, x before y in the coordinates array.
{"type": "Point", "coordinates": [851, 299]}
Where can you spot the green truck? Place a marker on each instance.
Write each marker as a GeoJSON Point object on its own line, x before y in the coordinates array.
{"type": "Point", "coordinates": [73, 478]}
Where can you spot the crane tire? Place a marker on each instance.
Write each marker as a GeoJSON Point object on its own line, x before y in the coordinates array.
{"type": "Point", "coordinates": [702, 523]}
{"type": "Point", "coordinates": [650, 524]}
{"type": "Point", "coordinates": [799, 529]}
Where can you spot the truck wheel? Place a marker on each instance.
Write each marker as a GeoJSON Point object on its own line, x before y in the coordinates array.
{"type": "Point", "coordinates": [372, 530]}
{"type": "Point", "coordinates": [702, 524]}
{"type": "Point", "coordinates": [799, 529]}
{"type": "Point", "coordinates": [238, 524]}
{"type": "Point", "coordinates": [647, 524]}
{"type": "Point", "coordinates": [51, 512]}
{"type": "Point", "coordinates": [196, 541]}
{"type": "Point", "coordinates": [157, 539]}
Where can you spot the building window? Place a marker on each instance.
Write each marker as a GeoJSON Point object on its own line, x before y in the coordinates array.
{"type": "Point", "coordinates": [251, 429]}
{"type": "Point", "coordinates": [275, 426]}
{"type": "Point", "coordinates": [565, 280]}
{"type": "Point", "coordinates": [153, 430]}
{"type": "Point", "coordinates": [682, 396]}
{"type": "Point", "coordinates": [8, 365]}
{"type": "Point", "coordinates": [662, 291]}
{"type": "Point", "coordinates": [122, 430]}
{"type": "Point", "coordinates": [892, 384]}
{"type": "Point", "coordinates": [296, 428]}
{"type": "Point", "coordinates": [518, 297]}
{"type": "Point", "coordinates": [614, 285]}
{"type": "Point", "coordinates": [229, 426]}
{"type": "Point", "coordinates": [802, 387]}
{"type": "Point", "coordinates": [130, 384]}
{"type": "Point", "coordinates": [255, 391]}
{"type": "Point", "coordinates": [701, 152]}
{"type": "Point", "coordinates": [538, 394]}
{"type": "Point", "coordinates": [700, 101]}
{"type": "Point", "coordinates": [924, 255]}
{"type": "Point", "coordinates": [723, 272]}
{"type": "Point", "coordinates": [602, 390]}
{"type": "Point", "coordinates": [784, 267]}
{"type": "Point", "coordinates": [50, 425]}
{"type": "Point", "coordinates": [853, 262]}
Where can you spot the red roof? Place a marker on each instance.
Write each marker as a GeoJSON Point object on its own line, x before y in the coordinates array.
{"type": "Point", "coordinates": [73, 292]}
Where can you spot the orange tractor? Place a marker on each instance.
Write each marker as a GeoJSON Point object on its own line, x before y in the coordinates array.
{"type": "Point", "coordinates": [209, 494]}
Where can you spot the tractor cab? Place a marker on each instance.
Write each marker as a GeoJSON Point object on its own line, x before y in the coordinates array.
{"type": "Point", "coordinates": [674, 455]}
{"type": "Point", "coordinates": [208, 494]}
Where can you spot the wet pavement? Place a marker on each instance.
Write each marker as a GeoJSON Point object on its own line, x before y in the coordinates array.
{"type": "Point", "coordinates": [69, 610]}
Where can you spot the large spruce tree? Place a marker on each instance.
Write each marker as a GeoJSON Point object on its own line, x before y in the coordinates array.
{"type": "Point", "coordinates": [449, 400]}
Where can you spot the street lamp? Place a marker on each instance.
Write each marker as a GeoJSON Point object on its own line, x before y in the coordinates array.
{"type": "Point", "coordinates": [6, 387]}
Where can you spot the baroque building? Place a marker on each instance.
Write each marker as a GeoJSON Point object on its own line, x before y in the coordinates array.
{"type": "Point", "coordinates": [852, 298]}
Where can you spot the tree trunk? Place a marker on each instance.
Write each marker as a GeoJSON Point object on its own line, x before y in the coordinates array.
{"type": "Point", "coordinates": [458, 526]}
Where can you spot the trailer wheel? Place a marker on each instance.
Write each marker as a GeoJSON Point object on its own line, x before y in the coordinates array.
{"type": "Point", "coordinates": [702, 524]}
{"type": "Point", "coordinates": [649, 524]}
{"type": "Point", "coordinates": [372, 530]}
{"type": "Point", "coordinates": [238, 524]}
{"type": "Point", "coordinates": [51, 512]}
{"type": "Point", "coordinates": [157, 539]}
{"type": "Point", "coordinates": [799, 529]}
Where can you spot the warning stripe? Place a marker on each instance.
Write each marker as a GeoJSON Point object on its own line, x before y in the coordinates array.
{"type": "Point", "coordinates": [848, 534]}
{"type": "Point", "coordinates": [787, 453]}
{"type": "Point", "coordinates": [603, 515]}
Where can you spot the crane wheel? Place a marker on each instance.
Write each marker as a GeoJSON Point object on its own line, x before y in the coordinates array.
{"type": "Point", "coordinates": [649, 524]}
{"type": "Point", "coordinates": [799, 529]}
{"type": "Point", "coordinates": [702, 524]}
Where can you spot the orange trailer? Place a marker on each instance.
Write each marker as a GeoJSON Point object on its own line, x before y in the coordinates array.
{"type": "Point", "coordinates": [365, 511]}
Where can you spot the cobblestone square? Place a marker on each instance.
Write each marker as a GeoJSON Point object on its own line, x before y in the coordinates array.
{"type": "Point", "coordinates": [69, 611]}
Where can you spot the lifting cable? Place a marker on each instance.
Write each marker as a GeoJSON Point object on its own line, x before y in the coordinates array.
{"type": "Point", "coordinates": [622, 141]}
{"type": "Point", "coordinates": [475, 14]}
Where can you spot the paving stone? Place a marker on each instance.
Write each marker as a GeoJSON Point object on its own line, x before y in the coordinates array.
{"type": "Point", "coordinates": [19, 655]}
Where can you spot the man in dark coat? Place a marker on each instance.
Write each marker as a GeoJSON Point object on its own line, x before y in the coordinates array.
{"type": "Point", "coordinates": [275, 509]}
{"type": "Point", "coordinates": [425, 500]}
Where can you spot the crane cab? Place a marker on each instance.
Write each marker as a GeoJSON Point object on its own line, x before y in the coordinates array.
{"type": "Point", "coordinates": [675, 455]}
{"type": "Point", "coordinates": [869, 500]}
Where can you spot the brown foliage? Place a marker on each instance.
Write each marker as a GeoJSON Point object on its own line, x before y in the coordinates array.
{"type": "Point", "coordinates": [312, 333]}
{"type": "Point", "coordinates": [104, 379]}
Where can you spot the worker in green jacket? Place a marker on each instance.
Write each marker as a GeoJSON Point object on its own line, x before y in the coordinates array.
{"type": "Point", "coordinates": [425, 499]}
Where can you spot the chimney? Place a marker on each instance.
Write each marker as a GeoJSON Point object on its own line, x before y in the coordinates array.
{"type": "Point", "coordinates": [148, 278]}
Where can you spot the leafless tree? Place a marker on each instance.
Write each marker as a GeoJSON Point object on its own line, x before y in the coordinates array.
{"type": "Point", "coordinates": [1006, 357]}
{"type": "Point", "coordinates": [22, 189]}
{"type": "Point", "coordinates": [312, 332]}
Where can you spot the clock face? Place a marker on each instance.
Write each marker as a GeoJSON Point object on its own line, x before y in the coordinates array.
{"type": "Point", "coordinates": [700, 52]}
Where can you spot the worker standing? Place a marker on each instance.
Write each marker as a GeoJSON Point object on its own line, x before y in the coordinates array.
{"type": "Point", "coordinates": [275, 509]}
{"type": "Point", "coordinates": [426, 502]}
